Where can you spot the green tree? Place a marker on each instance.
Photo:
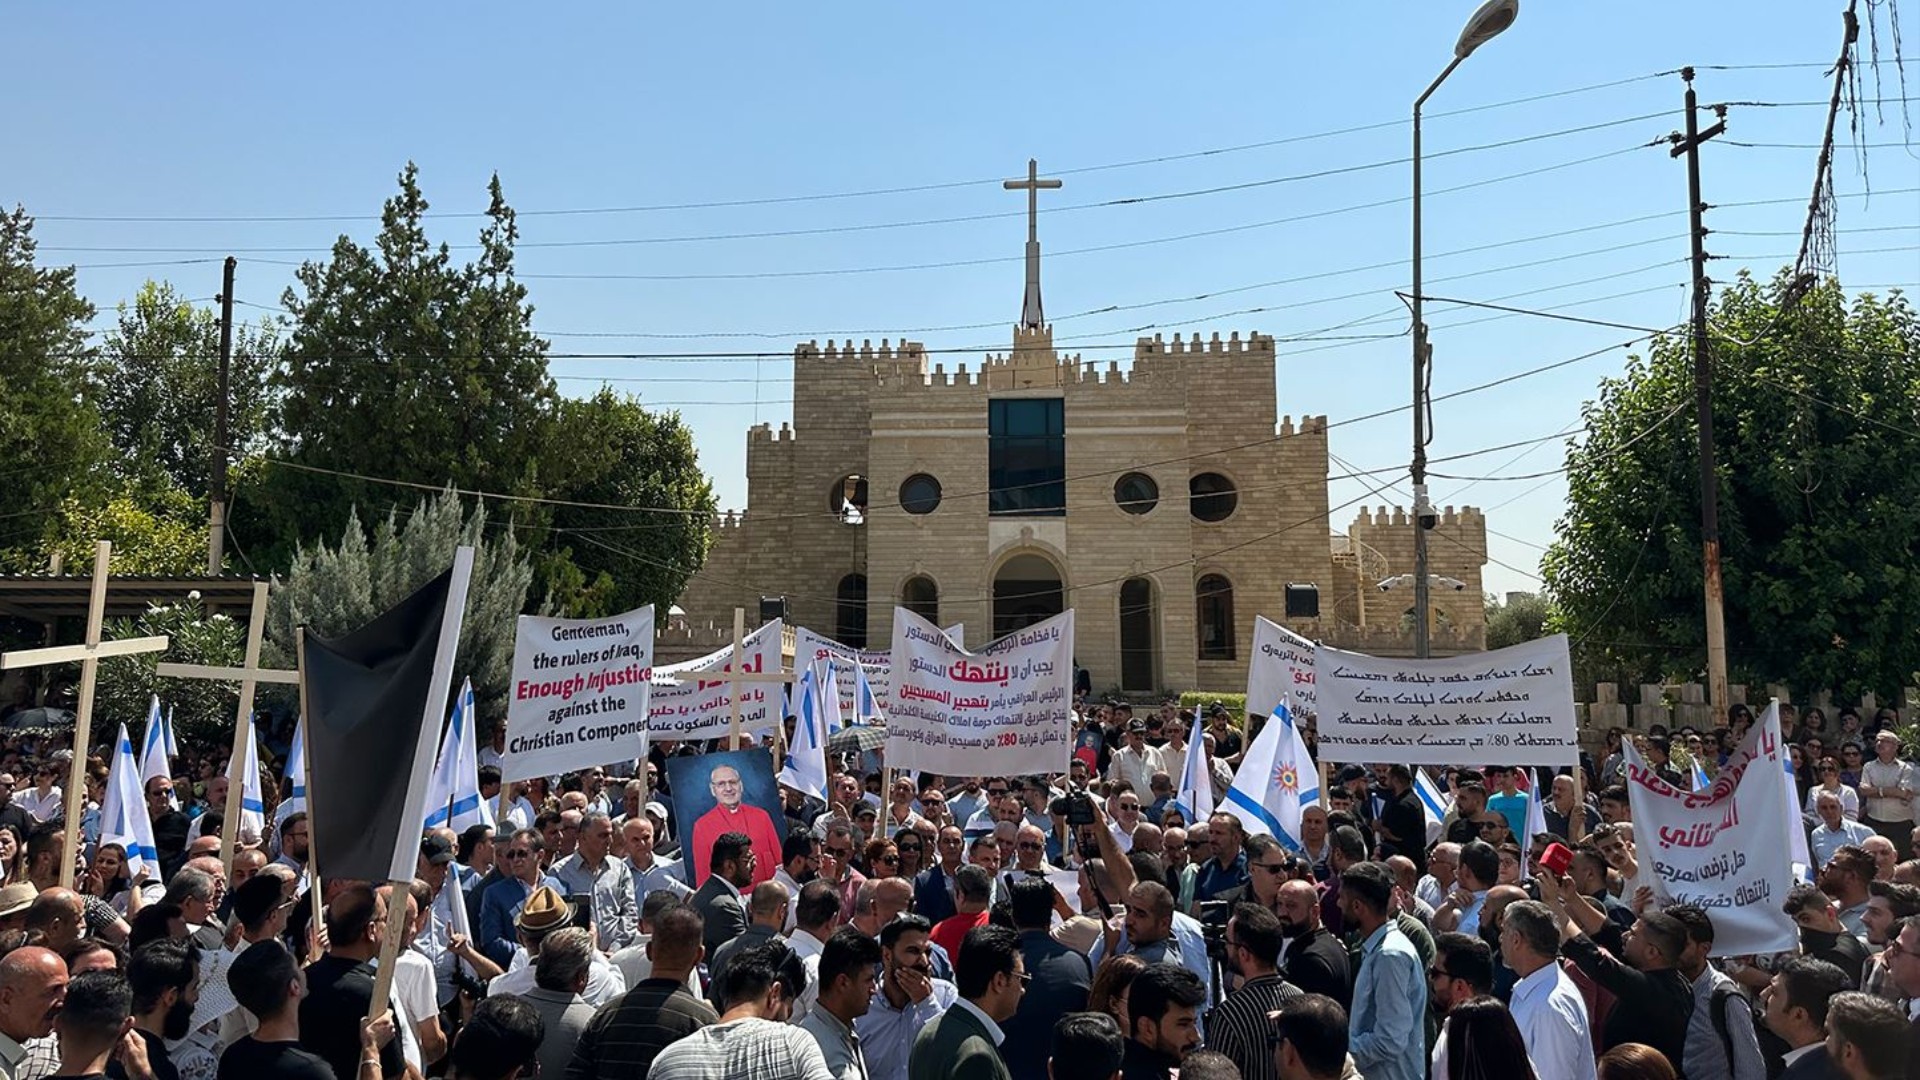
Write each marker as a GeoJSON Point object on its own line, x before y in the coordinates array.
{"type": "Point", "coordinates": [404, 365]}
{"type": "Point", "coordinates": [202, 710]}
{"type": "Point", "coordinates": [608, 450]}
{"type": "Point", "coordinates": [157, 385]}
{"type": "Point", "coordinates": [1523, 617]}
{"type": "Point", "coordinates": [159, 532]}
{"type": "Point", "coordinates": [334, 590]}
{"type": "Point", "coordinates": [1816, 425]}
{"type": "Point", "coordinates": [50, 441]}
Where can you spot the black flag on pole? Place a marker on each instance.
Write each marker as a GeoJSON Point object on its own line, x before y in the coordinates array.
{"type": "Point", "coordinates": [366, 698]}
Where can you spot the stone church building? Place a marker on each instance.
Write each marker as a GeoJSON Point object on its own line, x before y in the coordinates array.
{"type": "Point", "coordinates": [1164, 500]}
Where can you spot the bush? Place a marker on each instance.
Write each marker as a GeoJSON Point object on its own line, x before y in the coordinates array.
{"type": "Point", "coordinates": [1235, 703]}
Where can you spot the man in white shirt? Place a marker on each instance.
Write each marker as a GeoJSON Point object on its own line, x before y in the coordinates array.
{"type": "Point", "coordinates": [1887, 786]}
{"type": "Point", "coordinates": [42, 800]}
{"type": "Point", "coordinates": [650, 872]}
{"type": "Point", "coordinates": [1547, 1008]}
{"type": "Point", "coordinates": [799, 858]}
{"type": "Point", "coordinates": [1443, 863]}
{"type": "Point", "coordinates": [1136, 762]}
{"type": "Point", "coordinates": [1796, 1011]}
{"type": "Point", "coordinates": [1834, 830]}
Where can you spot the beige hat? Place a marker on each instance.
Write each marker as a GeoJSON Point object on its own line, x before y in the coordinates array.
{"type": "Point", "coordinates": [17, 898]}
{"type": "Point", "coordinates": [545, 910]}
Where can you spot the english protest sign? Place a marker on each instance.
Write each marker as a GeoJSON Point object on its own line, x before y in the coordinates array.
{"type": "Point", "coordinates": [580, 693]}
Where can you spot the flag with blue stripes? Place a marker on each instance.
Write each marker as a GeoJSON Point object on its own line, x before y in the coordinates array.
{"type": "Point", "coordinates": [453, 790]}
{"type": "Point", "coordinates": [804, 769]}
{"type": "Point", "coordinates": [1276, 782]}
{"type": "Point", "coordinates": [1195, 797]}
{"type": "Point", "coordinates": [154, 755]}
{"type": "Point", "coordinates": [123, 810]}
{"type": "Point", "coordinates": [1700, 781]}
{"type": "Point", "coordinates": [253, 807]}
{"type": "Point", "coordinates": [1434, 804]}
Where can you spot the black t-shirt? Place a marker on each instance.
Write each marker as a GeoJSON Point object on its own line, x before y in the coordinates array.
{"type": "Point", "coordinates": [157, 1059]}
{"type": "Point", "coordinates": [338, 990]}
{"type": "Point", "coordinates": [251, 1059]}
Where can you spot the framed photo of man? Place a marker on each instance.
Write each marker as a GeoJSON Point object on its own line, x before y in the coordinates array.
{"type": "Point", "coordinates": [715, 794]}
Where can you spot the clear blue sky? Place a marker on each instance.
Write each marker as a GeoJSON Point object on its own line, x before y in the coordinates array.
{"type": "Point", "coordinates": [237, 110]}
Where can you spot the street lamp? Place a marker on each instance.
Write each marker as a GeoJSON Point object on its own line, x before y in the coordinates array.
{"type": "Point", "coordinates": [1487, 22]}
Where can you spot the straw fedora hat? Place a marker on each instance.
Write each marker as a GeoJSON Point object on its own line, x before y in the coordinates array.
{"type": "Point", "coordinates": [545, 910]}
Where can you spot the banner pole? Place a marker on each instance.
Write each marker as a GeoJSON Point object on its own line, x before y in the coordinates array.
{"type": "Point", "coordinates": [739, 667]}
{"type": "Point", "coordinates": [1577, 819]}
{"type": "Point", "coordinates": [306, 765]}
{"type": "Point", "coordinates": [389, 948]}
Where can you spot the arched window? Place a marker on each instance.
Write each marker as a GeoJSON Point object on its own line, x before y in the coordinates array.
{"type": "Point", "coordinates": [1213, 616]}
{"type": "Point", "coordinates": [850, 611]}
{"type": "Point", "coordinates": [848, 500]}
{"type": "Point", "coordinates": [922, 597]}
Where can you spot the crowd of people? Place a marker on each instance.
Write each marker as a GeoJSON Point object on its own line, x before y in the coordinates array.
{"type": "Point", "coordinates": [1077, 926]}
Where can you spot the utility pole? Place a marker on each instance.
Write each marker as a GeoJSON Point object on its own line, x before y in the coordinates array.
{"type": "Point", "coordinates": [1689, 145]}
{"type": "Point", "coordinates": [217, 487]}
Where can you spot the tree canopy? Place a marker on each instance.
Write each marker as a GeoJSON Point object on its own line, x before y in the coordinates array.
{"type": "Point", "coordinates": [1817, 426]}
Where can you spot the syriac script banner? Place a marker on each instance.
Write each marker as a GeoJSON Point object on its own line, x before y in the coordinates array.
{"type": "Point", "coordinates": [1006, 710]}
{"type": "Point", "coordinates": [1511, 706]}
{"type": "Point", "coordinates": [1723, 849]}
{"type": "Point", "coordinates": [580, 693]}
{"type": "Point", "coordinates": [1282, 671]}
{"type": "Point", "coordinates": [690, 700]}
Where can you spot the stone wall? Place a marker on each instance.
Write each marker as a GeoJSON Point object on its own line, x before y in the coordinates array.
{"type": "Point", "coordinates": [1685, 705]}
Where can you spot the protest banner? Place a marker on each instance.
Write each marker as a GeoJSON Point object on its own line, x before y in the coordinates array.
{"type": "Point", "coordinates": [1721, 849]}
{"type": "Point", "coordinates": [1511, 706]}
{"type": "Point", "coordinates": [580, 693]}
{"type": "Point", "coordinates": [1003, 711]}
{"type": "Point", "coordinates": [811, 645]}
{"type": "Point", "coordinates": [1282, 670]}
{"type": "Point", "coordinates": [690, 705]}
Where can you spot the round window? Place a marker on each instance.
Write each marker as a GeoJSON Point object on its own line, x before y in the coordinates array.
{"type": "Point", "coordinates": [1212, 496]}
{"type": "Point", "coordinates": [920, 494]}
{"type": "Point", "coordinates": [1136, 493]}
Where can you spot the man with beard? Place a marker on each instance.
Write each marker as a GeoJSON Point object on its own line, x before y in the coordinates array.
{"type": "Point", "coordinates": [1268, 864]}
{"type": "Point", "coordinates": [1162, 1021]}
{"type": "Point", "coordinates": [906, 1000]}
{"type": "Point", "coordinates": [1313, 839]}
{"type": "Point", "coordinates": [1846, 878]}
{"type": "Point", "coordinates": [1888, 905]}
{"type": "Point", "coordinates": [1462, 970]}
{"type": "Point", "coordinates": [1821, 935]}
{"type": "Point", "coordinates": [1314, 960]}
{"type": "Point", "coordinates": [165, 977]}
{"type": "Point", "coordinates": [1237, 1027]}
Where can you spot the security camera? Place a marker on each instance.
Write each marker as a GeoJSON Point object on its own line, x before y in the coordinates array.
{"type": "Point", "coordinates": [1423, 511]}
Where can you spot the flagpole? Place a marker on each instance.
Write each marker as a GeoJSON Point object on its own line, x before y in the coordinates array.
{"type": "Point", "coordinates": [306, 765]}
{"type": "Point", "coordinates": [1577, 819]}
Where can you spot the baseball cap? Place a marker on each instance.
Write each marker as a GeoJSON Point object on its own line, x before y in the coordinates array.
{"type": "Point", "coordinates": [1137, 725]}
{"type": "Point", "coordinates": [256, 898]}
{"type": "Point", "coordinates": [435, 849]}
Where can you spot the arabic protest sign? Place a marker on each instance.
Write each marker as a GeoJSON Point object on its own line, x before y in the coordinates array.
{"type": "Point", "coordinates": [688, 706]}
{"type": "Point", "coordinates": [1282, 670]}
{"type": "Point", "coordinates": [580, 693]}
{"type": "Point", "coordinates": [811, 645]}
{"type": "Point", "coordinates": [1721, 849]}
{"type": "Point", "coordinates": [1003, 711]}
{"type": "Point", "coordinates": [1511, 706]}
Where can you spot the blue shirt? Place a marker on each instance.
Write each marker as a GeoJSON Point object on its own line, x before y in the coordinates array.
{"type": "Point", "coordinates": [499, 906]}
{"type": "Point", "coordinates": [887, 1034]}
{"type": "Point", "coordinates": [1384, 1030]}
{"type": "Point", "coordinates": [1514, 808]}
{"type": "Point", "coordinates": [1188, 939]}
{"type": "Point", "coordinates": [1214, 879]}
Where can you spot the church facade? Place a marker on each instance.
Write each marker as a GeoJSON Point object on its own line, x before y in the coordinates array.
{"type": "Point", "coordinates": [1166, 502]}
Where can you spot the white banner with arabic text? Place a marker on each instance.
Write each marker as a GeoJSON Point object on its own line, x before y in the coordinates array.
{"type": "Point", "coordinates": [1282, 670]}
{"type": "Point", "coordinates": [691, 702]}
{"type": "Point", "coordinates": [1006, 710]}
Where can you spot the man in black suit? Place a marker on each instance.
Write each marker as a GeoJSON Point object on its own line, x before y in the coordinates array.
{"type": "Point", "coordinates": [1313, 960]}
{"type": "Point", "coordinates": [933, 888]}
{"type": "Point", "coordinates": [719, 901]}
{"type": "Point", "coordinates": [1059, 981]}
{"type": "Point", "coordinates": [1903, 969]}
{"type": "Point", "coordinates": [1796, 1004]}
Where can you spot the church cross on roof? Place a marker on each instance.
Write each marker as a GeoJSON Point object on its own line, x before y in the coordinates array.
{"type": "Point", "coordinates": [1031, 316]}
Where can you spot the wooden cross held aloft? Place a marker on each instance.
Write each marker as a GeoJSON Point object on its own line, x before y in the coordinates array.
{"type": "Point", "coordinates": [89, 656]}
{"type": "Point", "coordinates": [736, 673]}
{"type": "Point", "coordinates": [249, 674]}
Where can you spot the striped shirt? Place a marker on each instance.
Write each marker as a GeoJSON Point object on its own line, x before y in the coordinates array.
{"type": "Point", "coordinates": [1238, 1028]}
{"type": "Point", "coordinates": [630, 1031]}
{"type": "Point", "coordinates": [749, 1049]}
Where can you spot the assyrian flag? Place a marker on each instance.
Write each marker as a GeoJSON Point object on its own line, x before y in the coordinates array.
{"type": "Point", "coordinates": [1536, 816]}
{"type": "Point", "coordinates": [123, 811]}
{"type": "Point", "coordinates": [453, 793]}
{"type": "Point", "coordinates": [297, 770]}
{"type": "Point", "coordinates": [866, 707]}
{"type": "Point", "coordinates": [826, 693]}
{"type": "Point", "coordinates": [154, 756]}
{"type": "Point", "coordinates": [805, 767]}
{"type": "Point", "coordinates": [253, 807]}
{"type": "Point", "coordinates": [173, 748]}
{"type": "Point", "coordinates": [1801, 857]}
{"type": "Point", "coordinates": [1700, 781]}
{"type": "Point", "coordinates": [1433, 803]}
{"type": "Point", "coordinates": [1276, 781]}
{"type": "Point", "coordinates": [1194, 799]}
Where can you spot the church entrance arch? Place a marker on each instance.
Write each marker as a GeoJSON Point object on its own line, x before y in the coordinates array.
{"type": "Point", "coordinates": [1026, 589]}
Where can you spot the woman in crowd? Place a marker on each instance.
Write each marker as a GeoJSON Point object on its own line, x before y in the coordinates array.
{"type": "Point", "coordinates": [1813, 724]}
{"type": "Point", "coordinates": [1829, 775]}
{"type": "Point", "coordinates": [1635, 1061]}
{"type": "Point", "coordinates": [107, 879]}
{"type": "Point", "coordinates": [1852, 758]}
{"type": "Point", "coordinates": [882, 858]}
{"type": "Point", "coordinates": [1484, 1043]}
{"type": "Point", "coordinates": [13, 854]}
{"type": "Point", "coordinates": [1108, 994]}
{"type": "Point", "coordinates": [912, 849]}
